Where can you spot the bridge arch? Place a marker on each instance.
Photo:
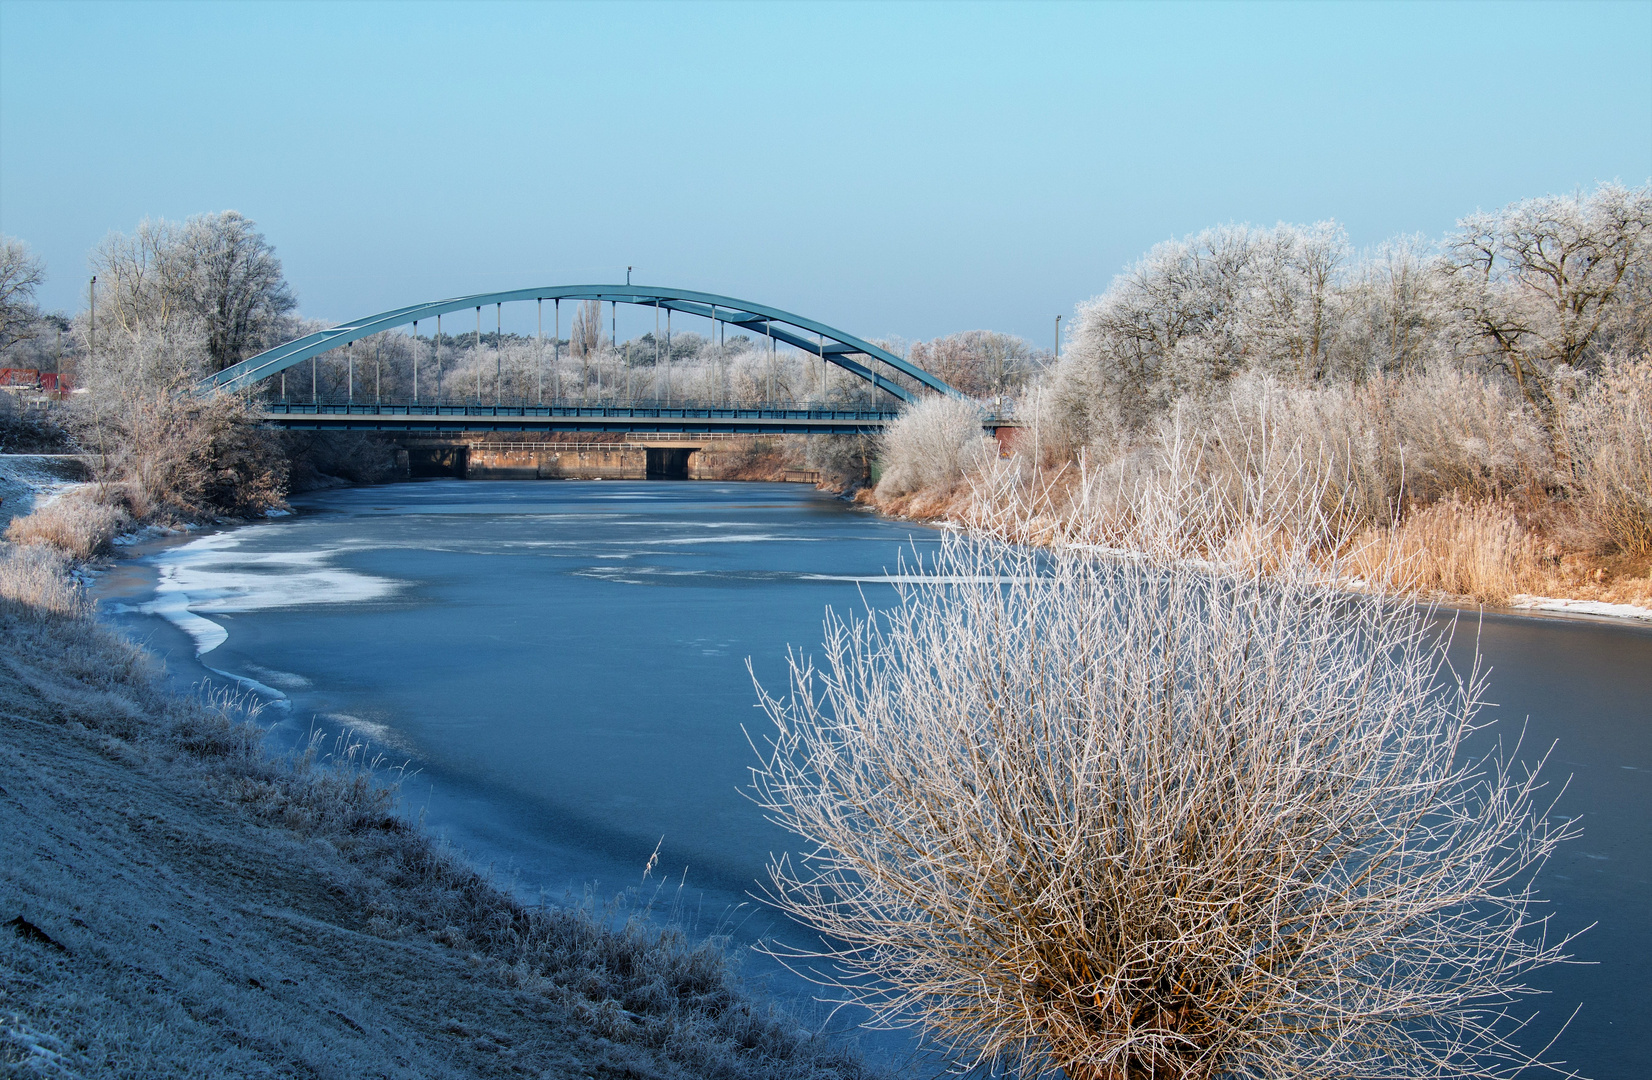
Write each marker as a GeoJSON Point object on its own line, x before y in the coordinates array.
{"type": "Point", "coordinates": [833, 346]}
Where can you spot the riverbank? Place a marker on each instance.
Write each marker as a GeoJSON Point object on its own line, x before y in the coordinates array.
{"type": "Point", "coordinates": [178, 902]}
{"type": "Point", "coordinates": [1459, 554]}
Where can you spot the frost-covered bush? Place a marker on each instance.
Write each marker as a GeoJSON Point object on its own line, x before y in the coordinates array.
{"type": "Point", "coordinates": [934, 446]}
{"type": "Point", "coordinates": [1608, 438]}
{"type": "Point", "coordinates": [1132, 817]}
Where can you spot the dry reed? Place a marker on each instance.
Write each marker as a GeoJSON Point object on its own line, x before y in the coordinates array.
{"type": "Point", "coordinates": [1474, 550]}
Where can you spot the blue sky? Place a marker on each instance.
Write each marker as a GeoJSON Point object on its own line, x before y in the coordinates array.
{"type": "Point", "coordinates": [904, 170]}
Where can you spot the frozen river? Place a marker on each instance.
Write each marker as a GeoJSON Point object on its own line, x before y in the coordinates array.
{"type": "Point", "coordinates": [565, 666]}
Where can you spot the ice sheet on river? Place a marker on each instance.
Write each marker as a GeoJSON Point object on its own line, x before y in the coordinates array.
{"type": "Point", "coordinates": [212, 574]}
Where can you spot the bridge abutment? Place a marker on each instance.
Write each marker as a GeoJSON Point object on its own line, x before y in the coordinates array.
{"type": "Point", "coordinates": [484, 456]}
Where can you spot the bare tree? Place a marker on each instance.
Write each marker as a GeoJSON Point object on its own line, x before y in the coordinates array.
{"type": "Point", "coordinates": [1538, 280]}
{"type": "Point", "coordinates": [231, 280]}
{"type": "Point", "coordinates": [215, 273]}
{"type": "Point", "coordinates": [1141, 817]}
{"type": "Point", "coordinates": [20, 273]}
{"type": "Point", "coordinates": [980, 363]}
{"type": "Point", "coordinates": [586, 336]}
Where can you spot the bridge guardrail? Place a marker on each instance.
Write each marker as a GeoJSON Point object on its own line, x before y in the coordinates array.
{"type": "Point", "coordinates": [598, 411]}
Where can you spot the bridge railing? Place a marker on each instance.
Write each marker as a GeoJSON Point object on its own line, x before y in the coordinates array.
{"type": "Point", "coordinates": [684, 412]}
{"type": "Point", "coordinates": [626, 444]}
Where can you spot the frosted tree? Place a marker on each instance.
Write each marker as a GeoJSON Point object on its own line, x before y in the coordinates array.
{"type": "Point", "coordinates": [227, 276]}
{"type": "Point", "coordinates": [1192, 314]}
{"type": "Point", "coordinates": [21, 272]}
{"type": "Point", "coordinates": [1539, 280]}
{"type": "Point", "coordinates": [214, 275]}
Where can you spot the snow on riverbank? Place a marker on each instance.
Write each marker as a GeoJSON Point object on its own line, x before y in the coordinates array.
{"type": "Point", "coordinates": [30, 480]}
{"type": "Point", "coordinates": [1591, 608]}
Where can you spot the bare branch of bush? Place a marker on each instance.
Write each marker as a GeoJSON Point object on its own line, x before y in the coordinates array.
{"type": "Point", "coordinates": [172, 454]}
{"type": "Point", "coordinates": [1135, 816]}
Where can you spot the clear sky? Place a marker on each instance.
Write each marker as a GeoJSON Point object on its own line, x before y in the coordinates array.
{"type": "Point", "coordinates": [905, 170]}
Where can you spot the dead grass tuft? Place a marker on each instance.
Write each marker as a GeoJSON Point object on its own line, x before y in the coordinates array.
{"type": "Point", "coordinates": [80, 523]}
{"type": "Point", "coordinates": [36, 579]}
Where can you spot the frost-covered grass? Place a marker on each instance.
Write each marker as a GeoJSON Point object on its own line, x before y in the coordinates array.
{"type": "Point", "coordinates": [37, 578]}
{"type": "Point", "coordinates": [80, 523]}
{"type": "Point", "coordinates": [220, 912]}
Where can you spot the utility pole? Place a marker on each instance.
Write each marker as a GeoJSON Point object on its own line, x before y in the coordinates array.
{"type": "Point", "coordinates": [1058, 337]}
{"type": "Point", "coordinates": [92, 319]}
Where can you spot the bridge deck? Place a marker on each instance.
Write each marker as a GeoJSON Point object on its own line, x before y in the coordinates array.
{"type": "Point", "coordinates": [456, 418]}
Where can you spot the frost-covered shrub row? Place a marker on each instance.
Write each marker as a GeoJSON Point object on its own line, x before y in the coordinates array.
{"type": "Point", "coordinates": [1506, 364]}
{"type": "Point", "coordinates": [512, 369]}
{"type": "Point", "coordinates": [1531, 293]}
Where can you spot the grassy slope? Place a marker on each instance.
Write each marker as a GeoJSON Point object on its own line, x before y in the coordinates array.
{"type": "Point", "coordinates": [221, 914]}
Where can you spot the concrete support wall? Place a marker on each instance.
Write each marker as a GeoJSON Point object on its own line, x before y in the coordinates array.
{"type": "Point", "coordinates": [627, 463]}
{"type": "Point", "coordinates": [486, 457]}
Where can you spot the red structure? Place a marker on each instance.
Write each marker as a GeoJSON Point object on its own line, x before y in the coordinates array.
{"type": "Point", "coordinates": [50, 382]}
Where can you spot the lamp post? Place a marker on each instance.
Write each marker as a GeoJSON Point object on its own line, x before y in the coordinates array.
{"type": "Point", "coordinates": [1058, 337]}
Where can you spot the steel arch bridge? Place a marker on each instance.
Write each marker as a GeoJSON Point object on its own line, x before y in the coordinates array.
{"type": "Point", "coordinates": [831, 345]}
